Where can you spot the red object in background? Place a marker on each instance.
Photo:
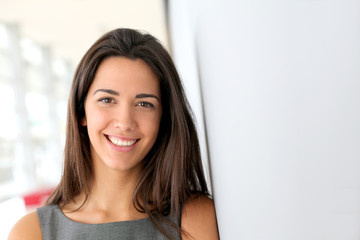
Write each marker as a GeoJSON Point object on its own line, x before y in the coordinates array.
{"type": "Point", "coordinates": [37, 198]}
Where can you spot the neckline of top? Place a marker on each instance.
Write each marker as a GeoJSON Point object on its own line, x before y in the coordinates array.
{"type": "Point", "coordinates": [59, 210]}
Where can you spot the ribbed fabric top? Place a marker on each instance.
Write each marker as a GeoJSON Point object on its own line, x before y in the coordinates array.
{"type": "Point", "coordinates": [56, 226]}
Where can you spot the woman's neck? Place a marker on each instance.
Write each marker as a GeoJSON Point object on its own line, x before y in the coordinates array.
{"type": "Point", "coordinates": [110, 198]}
{"type": "Point", "coordinates": [113, 189]}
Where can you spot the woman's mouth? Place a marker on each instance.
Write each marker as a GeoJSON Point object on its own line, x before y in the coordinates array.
{"type": "Point", "coordinates": [121, 142]}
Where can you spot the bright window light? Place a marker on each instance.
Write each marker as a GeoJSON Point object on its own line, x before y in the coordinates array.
{"type": "Point", "coordinates": [4, 39]}
{"type": "Point", "coordinates": [8, 121]}
{"type": "Point", "coordinates": [31, 52]}
{"type": "Point", "coordinates": [37, 106]}
{"type": "Point", "coordinates": [59, 67]}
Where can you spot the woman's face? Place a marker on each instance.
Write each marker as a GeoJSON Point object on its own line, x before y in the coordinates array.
{"type": "Point", "coordinates": [122, 113]}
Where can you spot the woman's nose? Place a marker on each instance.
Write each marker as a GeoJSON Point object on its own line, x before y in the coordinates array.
{"type": "Point", "coordinates": [124, 119]}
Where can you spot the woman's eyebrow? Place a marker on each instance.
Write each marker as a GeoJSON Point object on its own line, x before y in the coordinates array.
{"type": "Point", "coordinates": [107, 91]}
{"type": "Point", "coordinates": [146, 95]}
{"type": "Point", "coordinates": [141, 95]}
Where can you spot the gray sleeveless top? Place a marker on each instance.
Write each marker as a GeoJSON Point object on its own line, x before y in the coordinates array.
{"type": "Point", "coordinates": [56, 226]}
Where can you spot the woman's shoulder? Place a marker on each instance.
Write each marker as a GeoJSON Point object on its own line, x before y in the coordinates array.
{"type": "Point", "coordinates": [27, 228]}
{"type": "Point", "coordinates": [199, 218]}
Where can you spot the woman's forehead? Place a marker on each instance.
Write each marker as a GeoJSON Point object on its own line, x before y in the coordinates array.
{"type": "Point", "coordinates": [124, 74]}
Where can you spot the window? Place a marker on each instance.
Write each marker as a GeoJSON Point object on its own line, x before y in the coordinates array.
{"type": "Point", "coordinates": [33, 96]}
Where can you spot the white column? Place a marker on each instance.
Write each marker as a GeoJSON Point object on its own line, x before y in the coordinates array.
{"type": "Point", "coordinates": [184, 55]}
{"type": "Point", "coordinates": [52, 164]}
{"type": "Point", "coordinates": [24, 166]}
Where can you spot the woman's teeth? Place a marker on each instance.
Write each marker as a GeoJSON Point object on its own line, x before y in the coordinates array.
{"type": "Point", "coordinates": [120, 142]}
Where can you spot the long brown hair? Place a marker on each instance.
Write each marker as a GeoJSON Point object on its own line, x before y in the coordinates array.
{"type": "Point", "coordinates": [172, 168]}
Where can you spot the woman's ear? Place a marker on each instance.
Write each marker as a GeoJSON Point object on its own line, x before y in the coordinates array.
{"type": "Point", "coordinates": [83, 121]}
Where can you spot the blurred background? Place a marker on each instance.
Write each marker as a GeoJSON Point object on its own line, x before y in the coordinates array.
{"type": "Point", "coordinates": [274, 86]}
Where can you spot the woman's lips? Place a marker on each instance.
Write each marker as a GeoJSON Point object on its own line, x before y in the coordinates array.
{"type": "Point", "coordinates": [122, 144]}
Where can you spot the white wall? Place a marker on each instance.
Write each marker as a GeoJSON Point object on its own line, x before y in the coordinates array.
{"type": "Point", "coordinates": [280, 84]}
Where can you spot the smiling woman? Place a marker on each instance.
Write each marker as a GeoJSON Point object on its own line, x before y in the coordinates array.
{"type": "Point", "coordinates": [132, 165]}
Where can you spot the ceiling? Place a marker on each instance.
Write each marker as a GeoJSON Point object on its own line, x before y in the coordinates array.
{"type": "Point", "coordinates": [69, 27]}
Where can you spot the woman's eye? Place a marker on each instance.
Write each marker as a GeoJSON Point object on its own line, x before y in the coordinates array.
{"type": "Point", "coordinates": [146, 105]}
{"type": "Point", "coordinates": [106, 100]}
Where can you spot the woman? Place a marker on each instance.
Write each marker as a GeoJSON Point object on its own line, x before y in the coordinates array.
{"type": "Point", "coordinates": [132, 165]}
